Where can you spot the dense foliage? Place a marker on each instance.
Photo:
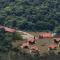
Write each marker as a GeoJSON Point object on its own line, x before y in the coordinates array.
{"type": "Point", "coordinates": [17, 36]}
{"type": "Point", "coordinates": [5, 40]}
{"type": "Point", "coordinates": [32, 15]}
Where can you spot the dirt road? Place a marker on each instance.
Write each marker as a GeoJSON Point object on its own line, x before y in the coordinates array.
{"type": "Point", "coordinates": [25, 35]}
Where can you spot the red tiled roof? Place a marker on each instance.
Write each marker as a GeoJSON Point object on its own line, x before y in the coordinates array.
{"type": "Point", "coordinates": [31, 40]}
{"type": "Point", "coordinates": [52, 46]}
{"type": "Point", "coordinates": [57, 39]}
{"type": "Point", "coordinates": [46, 34]}
{"type": "Point", "coordinates": [24, 45]}
{"type": "Point", "coordinates": [34, 48]}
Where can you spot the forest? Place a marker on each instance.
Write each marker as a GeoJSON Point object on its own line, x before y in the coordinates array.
{"type": "Point", "coordinates": [30, 15]}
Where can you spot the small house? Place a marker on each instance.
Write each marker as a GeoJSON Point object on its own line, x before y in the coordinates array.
{"type": "Point", "coordinates": [31, 41]}
{"type": "Point", "coordinates": [25, 45]}
{"type": "Point", "coordinates": [45, 35]}
{"type": "Point", "coordinates": [52, 47]}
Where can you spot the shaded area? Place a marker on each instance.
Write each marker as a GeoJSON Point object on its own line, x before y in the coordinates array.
{"type": "Point", "coordinates": [25, 56]}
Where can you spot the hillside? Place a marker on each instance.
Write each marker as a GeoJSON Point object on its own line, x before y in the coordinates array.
{"type": "Point", "coordinates": [29, 29]}
{"type": "Point", "coordinates": [30, 15]}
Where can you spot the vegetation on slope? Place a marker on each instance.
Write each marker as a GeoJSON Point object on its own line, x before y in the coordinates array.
{"type": "Point", "coordinates": [31, 15]}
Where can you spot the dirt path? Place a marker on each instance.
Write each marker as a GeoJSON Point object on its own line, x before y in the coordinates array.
{"type": "Point", "coordinates": [25, 35]}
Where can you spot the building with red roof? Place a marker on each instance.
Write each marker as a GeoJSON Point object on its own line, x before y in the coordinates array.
{"type": "Point", "coordinates": [7, 29]}
{"type": "Point", "coordinates": [31, 40]}
{"type": "Point", "coordinates": [45, 35]}
{"type": "Point", "coordinates": [57, 41]}
{"type": "Point", "coordinates": [25, 45]}
{"type": "Point", "coordinates": [52, 47]}
{"type": "Point", "coordinates": [34, 49]}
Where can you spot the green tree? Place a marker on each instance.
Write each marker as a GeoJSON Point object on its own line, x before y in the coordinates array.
{"type": "Point", "coordinates": [16, 36]}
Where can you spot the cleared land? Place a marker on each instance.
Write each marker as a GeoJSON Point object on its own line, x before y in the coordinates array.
{"type": "Point", "coordinates": [39, 43]}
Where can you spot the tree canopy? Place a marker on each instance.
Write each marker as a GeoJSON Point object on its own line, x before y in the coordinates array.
{"type": "Point", "coordinates": [31, 15]}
